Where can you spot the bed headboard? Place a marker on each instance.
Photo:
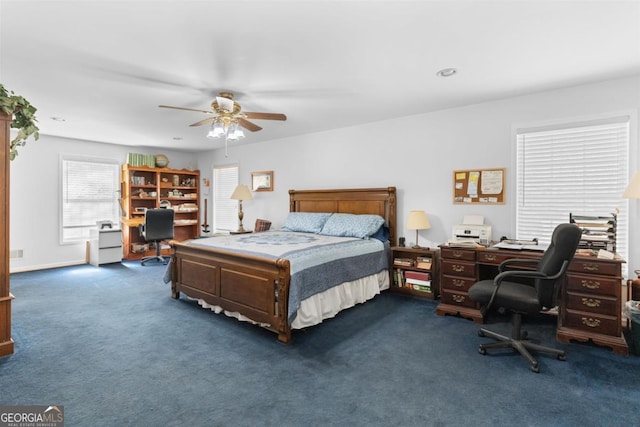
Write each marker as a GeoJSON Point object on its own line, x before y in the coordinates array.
{"type": "Point", "coordinates": [378, 201]}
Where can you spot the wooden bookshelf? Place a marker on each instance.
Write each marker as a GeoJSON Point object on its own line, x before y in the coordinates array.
{"type": "Point", "coordinates": [144, 188]}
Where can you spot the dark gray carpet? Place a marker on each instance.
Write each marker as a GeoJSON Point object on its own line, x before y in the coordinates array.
{"type": "Point", "coordinates": [112, 347]}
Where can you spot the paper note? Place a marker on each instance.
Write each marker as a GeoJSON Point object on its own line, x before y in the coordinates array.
{"type": "Point", "coordinates": [472, 187]}
{"type": "Point", "coordinates": [460, 176]}
{"type": "Point", "coordinates": [491, 182]}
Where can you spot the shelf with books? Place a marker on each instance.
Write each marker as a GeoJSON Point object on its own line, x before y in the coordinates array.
{"type": "Point", "coordinates": [414, 271]}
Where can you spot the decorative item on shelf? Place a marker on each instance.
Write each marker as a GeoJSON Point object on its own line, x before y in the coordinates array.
{"type": "Point", "coordinates": [241, 193]}
{"type": "Point", "coordinates": [418, 220]}
{"type": "Point", "coordinates": [162, 161]}
{"type": "Point", "coordinates": [176, 180]}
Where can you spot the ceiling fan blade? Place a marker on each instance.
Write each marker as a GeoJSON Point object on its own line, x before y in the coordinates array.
{"type": "Point", "coordinates": [265, 116]}
{"type": "Point", "coordinates": [203, 122]}
{"type": "Point", "coordinates": [249, 126]}
{"type": "Point", "coordinates": [187, 109]}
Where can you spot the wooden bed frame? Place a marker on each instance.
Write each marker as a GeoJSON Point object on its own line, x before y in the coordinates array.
{"type": "Point", "coordinates": [256, 287]}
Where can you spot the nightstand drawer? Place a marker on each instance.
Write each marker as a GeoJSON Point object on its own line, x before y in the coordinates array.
{"type": "Point", "coordinates": [457, 298]}
{"type": "Point", "coordinates": [592, 303]}
{"type": "Point", "coordinates": [594, 323]}
{"type": "Point", "coordinates": [593, 284]}
{"type": "Point", "coordinates": [457, 283]}
{"type": "Point", "coordinates": [458, 268]}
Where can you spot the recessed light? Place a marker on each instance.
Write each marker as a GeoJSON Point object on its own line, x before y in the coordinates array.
{"type": "Point", "coordinates": [58, 119]}
{"type": "Point", "coordinates": [446, 72]}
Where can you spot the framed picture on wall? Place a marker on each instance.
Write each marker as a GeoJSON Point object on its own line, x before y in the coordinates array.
{"type": "Point", "coordinates": [262, 181]}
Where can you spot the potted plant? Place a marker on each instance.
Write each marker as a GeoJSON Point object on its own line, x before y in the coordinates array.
{"type": "Point", "coordinates": [24, 119]}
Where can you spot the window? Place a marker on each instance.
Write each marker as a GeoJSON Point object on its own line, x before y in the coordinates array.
{"type": "Point", "coordinates": [578, 168]}
{"type": "Point", "coordinates": [90, 191]}
{"type": "Point", "coordinates": [225, 210]}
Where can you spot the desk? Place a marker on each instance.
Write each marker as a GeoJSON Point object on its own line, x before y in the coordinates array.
{"type": "Point", "coordinates": [590, 304]}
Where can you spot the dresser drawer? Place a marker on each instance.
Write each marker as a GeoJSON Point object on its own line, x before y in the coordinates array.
{"type": "Point", "coordinates": [458, 268]}
{"type": "Point", "coordinates": [591, 322]}
{"type": "Point", "coordinates": [600, 285]}
{"type": "Point", "coordinates": [459, 284]}
{"type": "Point", "coordinates": [457, 298]}
{"type": "Point", "coordinates": [595, 267]}
{"type": "Point", "coordinates": [460, 254]}
{"type": "Point", "coordinates": [592, 303]}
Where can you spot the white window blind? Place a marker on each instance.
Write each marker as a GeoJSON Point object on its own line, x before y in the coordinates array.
{"type": "Point", "coordinates": [225, 210]}
{"type": "Point", "coordinates": [580, 169]}
{"type": "Point", "coordinates": [89, 194]}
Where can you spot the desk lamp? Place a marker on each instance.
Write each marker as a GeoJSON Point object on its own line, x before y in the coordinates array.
{"type": "Point", "coordinates": [418, 221]}
{"type": "Point", "coordinates": [241, 193]}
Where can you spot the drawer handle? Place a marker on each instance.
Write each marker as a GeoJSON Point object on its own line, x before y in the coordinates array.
{"type": "Point", "coordinates": [457, 254]}
{"type": "Point", "coordinates": [458, 283]}
{"type": "Point", "coordinates": [490, 257]}
{"type": "Point", "coordinates": [458, 298]}
{"type": "Point", "coordinates": [590, 284]}
{"type": "Point", "coordinates": [590, 267]}
{"type": "Point", "coordinates": [590, 302]}
{"type": "Point", "coordinates": [457, 268]}
{"type": "Point", "coordinates": [592, 323]}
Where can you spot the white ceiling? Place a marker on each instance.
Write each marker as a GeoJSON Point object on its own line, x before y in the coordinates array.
{"type": "Point", "coordinates": [105, 66]}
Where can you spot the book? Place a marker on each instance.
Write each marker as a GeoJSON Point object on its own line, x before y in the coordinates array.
{"type": "Point", "coordinates": [421, 288]}
{"type": "Point", "coordinates": [417, 275]}
{"type": "Point", "coordinates": [423, 262]}
{"type": "Point", "coordinates": [418, 282]}
{"type": "Point", "coordinates": [405, 262]}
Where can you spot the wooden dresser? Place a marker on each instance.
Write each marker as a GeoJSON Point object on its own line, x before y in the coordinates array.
{"type": "Point", "coordinates": [590, 306]}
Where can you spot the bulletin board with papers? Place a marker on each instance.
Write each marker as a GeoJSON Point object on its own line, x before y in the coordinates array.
{"type": "Point", "coordinates": [479, 186]}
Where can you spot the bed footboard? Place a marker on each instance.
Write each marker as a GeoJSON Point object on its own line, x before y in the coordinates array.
{"type": "Point", "coordinates": [255, 287]}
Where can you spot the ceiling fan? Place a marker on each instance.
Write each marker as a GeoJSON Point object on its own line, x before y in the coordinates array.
{"type": "Point", "coordinates": [228, 117]}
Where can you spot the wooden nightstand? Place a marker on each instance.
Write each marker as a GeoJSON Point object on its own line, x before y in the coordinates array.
{"type": "Point", "coordinates": [414, 271]}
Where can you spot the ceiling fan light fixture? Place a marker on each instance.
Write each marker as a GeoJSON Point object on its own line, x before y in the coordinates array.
{"type": "Point", "coordinates": [234, 132]}
{"type": "Point", "coordinates": [217, 130]}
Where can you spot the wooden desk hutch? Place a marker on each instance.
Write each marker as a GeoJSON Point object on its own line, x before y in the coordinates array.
{"type": "Point", "coordinates": [590, 306]}
{"type": "Point", "coordinates": [143, 188]}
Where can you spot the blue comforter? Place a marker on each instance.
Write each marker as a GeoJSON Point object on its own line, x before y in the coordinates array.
{"type": "Point", "coordinates": [318, 262]}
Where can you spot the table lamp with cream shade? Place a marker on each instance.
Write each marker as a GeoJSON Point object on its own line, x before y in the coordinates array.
{"type": "Point", "coordinates": [418, 220]}
{"type": "Point", "coordinates": [241, 193]}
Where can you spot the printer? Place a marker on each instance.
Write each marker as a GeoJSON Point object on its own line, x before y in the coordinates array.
{"type": "Point", "coordinates": [472, 229]}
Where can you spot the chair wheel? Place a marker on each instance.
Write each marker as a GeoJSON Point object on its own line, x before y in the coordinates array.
{"type": "Point", "coordinates": [524, 335]}
{"type": "Point", "coordinates": [482, 350]}
{"type": "Point", "coordinates": [535, 369]}
{"type": "Point", "coordinates": [480, 333]}
{"type": "Point", "coordinates": [562, 357]}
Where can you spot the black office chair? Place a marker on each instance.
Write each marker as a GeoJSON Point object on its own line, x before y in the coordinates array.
{"type": "Point", "coordinates": [528, 298]}
{"type": "Point", "coordinates": [158, 226]}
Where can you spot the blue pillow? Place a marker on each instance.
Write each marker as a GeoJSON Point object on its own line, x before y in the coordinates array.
{"type": "Point", "coordinates": [306, 222]}
{"type": "Point", "coordinates": [382, 234]}
{"type": "Point", "coordinates": [350, 225]}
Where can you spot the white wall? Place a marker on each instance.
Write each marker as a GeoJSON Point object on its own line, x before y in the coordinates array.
{"type": "Point", "coordinates": [35, 196]}
{"type": "Point", "coordinates": [418, 155]}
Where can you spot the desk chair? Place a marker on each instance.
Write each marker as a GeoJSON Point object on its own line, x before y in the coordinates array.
{"type": "Point", "coordinates": [158, 226]}
{"type": "Point", "coordinates": [527, 298]}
